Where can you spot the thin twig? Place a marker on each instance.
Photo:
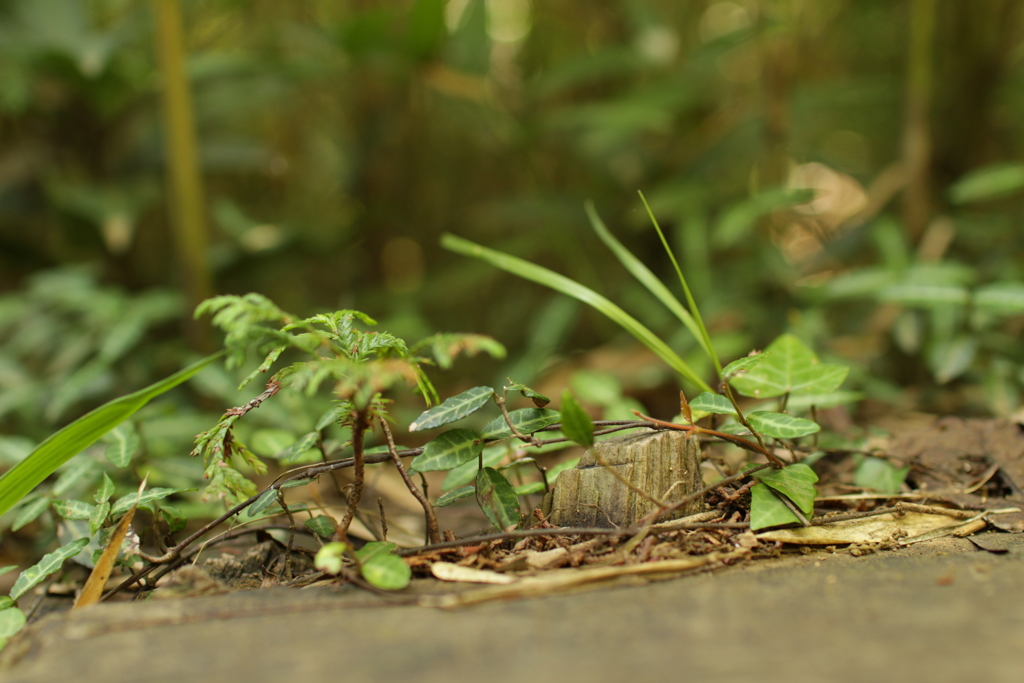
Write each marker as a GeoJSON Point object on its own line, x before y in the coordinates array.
{"type": "Point", "coordinates": [359, 467]}
{"type": "Point", "coordinates": [433, 529]}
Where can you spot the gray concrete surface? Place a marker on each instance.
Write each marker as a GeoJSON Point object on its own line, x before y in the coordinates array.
{"type": "Point", "coordinates": [941, 611]}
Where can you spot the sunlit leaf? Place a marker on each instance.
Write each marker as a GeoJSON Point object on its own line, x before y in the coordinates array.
{"type": "Point", "coordinates": [712, 403]}
{"type": "Point", "coordinates": [454, 408]}
{"type": "Point", "coordinates": [781, 426]}
{"type": "Point", "coordinates": [576, 423]}
{"type": "Point", "coordinates": [381, 567]}
{"type": "Point", "coordinates": [790, 366]}
{"type": "Point", "coordinates": [329, 557]}
{"type": "Point", "coordinates": [526, 420]}
{"type": "Point", "coordinates": [497, 498]}
{"type": "Point", "coordinates": [741, 365]}
{"type": "Point", "coordinates": [12, 620]}
{"type": "Point", "coordinates": [449, 449]}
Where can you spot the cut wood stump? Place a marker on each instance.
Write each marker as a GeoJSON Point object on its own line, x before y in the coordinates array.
{"type": "Point", "coordinates": [665, 465]}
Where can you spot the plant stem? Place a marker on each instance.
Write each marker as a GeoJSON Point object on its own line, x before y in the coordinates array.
{"type": "Point", "coordinates": [358, 470]}
{"type": "Point", "coordinates": [433, 529]}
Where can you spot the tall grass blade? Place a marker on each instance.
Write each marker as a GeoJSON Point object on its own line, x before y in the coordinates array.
{"type": "Point", "coordinates": [82, 433]}
{"type": "Point", "coordinates": [560, 283]}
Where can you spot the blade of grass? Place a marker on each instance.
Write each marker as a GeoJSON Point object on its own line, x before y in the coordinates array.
{"type": "Point", "coordinates": [644, 275]}
{"type": "Point", "coordinates": [82, 433]}
{"type": "Point", "coordinates": [560, 283]}
{"type": "Point", "coordinates": [694, 311]}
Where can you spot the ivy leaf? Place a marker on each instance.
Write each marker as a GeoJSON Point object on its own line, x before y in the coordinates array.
{"type": "Point", "coordinates": [321, 525]}
{"type": "Point", "coordinates": [125, 503]}
{"type": "Point", "coordinates": [576, 424]}
{"type": "Point", "coordinates": [449, 449]}
{"type": "Point", "coordinates": [790, 367]}
{"type": "Point", "coordinates": [539, 400]}
{"type": "Point", "coordinates": [454, 408]}
{"type": "Point", "coordinates": [707, 402]}
{"type": "Point", "coordinates": [880, 475]}
{"type": "Point", "coordinates": [304, 444]}
{"type": "Point", "coordinates": [29, 512]}
{"type": "Point", "coordinates": [381, 567]}
{"type": "Point", "coordinates": [50, 563]}
{"type": "Point", "coordinates": [454, 495]}
{"type": "Point", "coordinates": [781, 426]}
{"type": "Point", "coordinates": [73, 509]}
{"type": "Point", "coordinates": [767, 510]}
{"type": "Point", "coordinates": [741, 365]}
{"type": "Point", "coordinates": [796, 482]}
{"type": "Point", "coordinates": [105, 491]}
{"type": "Point", "coordinates": [122, 445]}
{"type": "Point", "coordinates": [497, 498]}
{"type": "Point", "coordinates": [526, 420]}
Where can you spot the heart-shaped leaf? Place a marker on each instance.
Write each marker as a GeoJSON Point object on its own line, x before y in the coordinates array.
{"type": "Point", "coordinates": [766, 509]}
{"type": "Point", "coordinates": [796, 482]}
{"type": "Point", "coordinates": [790, 367]}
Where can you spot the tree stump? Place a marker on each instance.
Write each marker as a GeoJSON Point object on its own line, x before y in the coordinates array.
{"type": "Point", "coordinates": [657, 463]}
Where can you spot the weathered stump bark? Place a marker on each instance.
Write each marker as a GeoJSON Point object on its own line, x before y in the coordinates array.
{"type": "Point", "coordinates": [657, 463]}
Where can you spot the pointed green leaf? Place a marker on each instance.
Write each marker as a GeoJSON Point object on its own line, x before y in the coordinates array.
{"type": "Point", "coordinates": [73, 509]}
{"type": "Point", "coordinates": [302, 446]}
{"type": "Point", "coordinates": [449, 449]}
{"type": "Point", "coordinates": [988, 182]}
{"type": "Point", "coordinates": [781, 426]}
{"type": "Point", "coordinates": [539, 400]}
{"type": "Point", "coordinates": [329, 418]}
{"type": "Point", "coordinates": [122, 445]}
{"type": "Point", "coordinates": [99, 517]}
{"type": "Point", "coordinates": [454, 495]}
{"type": "Point", "coordinates": [791, 367]}
{"type": "Point", "coordinates": [266, 499]}
{"type": "Point", "coordinates": [576, 423]}
{"type": "Point", "coordinates": [1005, 298]}
{"type": "Point", "coordinates": [30, 511]}
{"type": "Point", "coordinates": [766, 510]}
{"type": "Point", "coordinates": [796, 482]}
{"type": "Point", "coordinates": [497, 498]}
{"type": "Point", "coordinates": [526, 420]}
{"type": "Point", "coordinates": [124, 504]}
{"type": "Point", "coordinates": [560, 283]}
{"type": "Point", "coordinates": [466, 472]}
{"type": "Point", "coordinates": [454, 408]}
{"type": "Point", "coordinates": [712, 403]}
{"type": "Point", "coordinates": [741, 365]}
{"type": "Point", "coordinates": [80, 473]}
{"type": "Point", "coordinates": [105, 491]}
{"type": "Point", "coordinates": [880, 475]}
{"type": "Point", "coordinates": [50, 563]}
{"type": "Point", "coordinates": [322, 525]}
{"type": "Point", "coordinates": [381, 567]}
{"type": "Point", "coordinates": [82, 433]}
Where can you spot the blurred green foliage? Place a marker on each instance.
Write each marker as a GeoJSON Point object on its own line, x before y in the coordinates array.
{"type": "Point", "coordinates": [340, 139]}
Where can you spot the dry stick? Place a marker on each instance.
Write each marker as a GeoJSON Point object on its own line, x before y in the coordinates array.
{"type": "Point", "coordinates": [383, 519]}
{"type": "Point", "coordinates": [666, 509]}
{"type": "Point", "coordinates": [358, 470]}
{"type": "Point", "coordinates": [433, 529]}
{"type": "Point", "coordinates": [732, 438]}
{"type": "Point", "coordinates": [291, 535]}
{"type": "Point", "coordinates": [530, 439]}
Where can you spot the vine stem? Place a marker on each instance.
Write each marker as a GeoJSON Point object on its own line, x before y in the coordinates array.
{"type": "Point", "coordinates": [359, 425]}
{"type": "Point", "coordinates": [433, 529]}
{"type": "Point", "coordinates": [732, 438]}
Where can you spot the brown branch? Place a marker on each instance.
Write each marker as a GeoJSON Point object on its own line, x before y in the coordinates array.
{"type": "Point", "coordinates": [433, 529]}
{"type": "Point", "coordinates": [358, 471]}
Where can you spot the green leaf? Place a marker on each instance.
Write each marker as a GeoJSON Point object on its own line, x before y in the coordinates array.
{"type": "Point", "coordinates": [124, 504]}
{"type": "Point", "coordinates": [454, 408]}
{"type": "Point", "coordinates": [30, 511]}
{"type": "Point", "coordinates": [643, 274]}
{"type": "Point", "coordinates": [880, 475]}
{"type": "Point", "coordinates": [268, 443]}
{"type": "Point", "coordinates": [539, 400]}
{"type": "Point", "coordinates": [329, 418]}
{"type": "Point", "coordinates": [323, 526]}
{"type": "Point", "coordinates": [836, 398]}
{"type": "Point", "coordinates": [781, 426]}
{"type": "Point", "coordinates": [576, 423]}
{"type": "Point", "coordinates": [98, 517]}
{"type": "Point", "coordinates": [82, 433]}
{"type": "Point", "coordinates": [790, 366]}
{"type": "Point", "coordinates": [448, 449]}
{"type": "Point", "coordinates": [766, 510]}
{"type": "Point", "coordinates": [122, 445]}
{"type": "Point", "coordinates": [303, 445]}
{"type": "Point", "coordinates": [1006, 298]}
{"type": "Point", "coordinates": [328, 558]}
{"type": "Point", "coordinates": [454, 495]}
{"type": "Point", "coordinates": [560, 283]}
{"type": "Point", "coordinates": [12, 620]}
{"type": "Point", "coordinates": [526, 420]}
{"type": "Point", "coordinates": [987, 183]}
{"type": "Point", "coordinates": [466, 472]}
{"type": "Point", "coordinates": [266, 499]}
{"type": "Point", "coordinates": [497, 498]}
{"type": "Point", "coordinates": [74, 509]}
{"type": "Point", "coordinates": [741, 365]}
{"type": "Point", "coordinates": [381, 567]}
{"type": "Point", "coordinates": [950, 359]}
{"type": "Point", "coordinates": [712, 403]}
{"type": "Point", "coordinates": [50, 563]}
{"type": "Point", "coordinates": [796, 482]}
{"type": "Point", "coordinates": [174, 518]}
{"type": "Point", "coordinates": [105, 491]}
{"type": "Point", "coordinates": [925, 295]}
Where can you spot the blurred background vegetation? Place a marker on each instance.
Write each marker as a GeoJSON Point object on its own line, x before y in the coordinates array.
{"type": "Point", "coordinates": [849, 170]}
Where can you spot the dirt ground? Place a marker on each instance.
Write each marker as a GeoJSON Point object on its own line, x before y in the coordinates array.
{"type": "Point", "coordinates": [943, 610]}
